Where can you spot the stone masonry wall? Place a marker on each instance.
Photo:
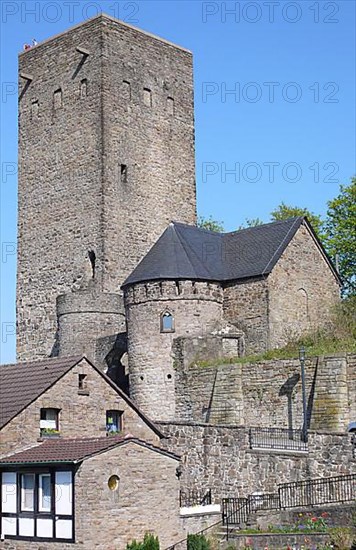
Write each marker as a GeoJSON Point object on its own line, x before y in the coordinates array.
{"type": "Point", "coordinates": [194, 306]}
{"type": "Point", "coordinates": [147, 501]}
{"type": "Point", "coordinates": [81, 414]}
{"type": "Point", "coordinates": [267, 393]}
{"type": "Point", "coordinates": [106, 161]}
{"type": "Point", "coordinates": [246, 306]}
{"type": "Point", "coordinates": [86, 316]}
{"type": "Point", "coordinates": [59, 196]}
{"type": "Point", "coordinates": [219, 457]}
{"type": "Point", "coordinates": [302, 290]}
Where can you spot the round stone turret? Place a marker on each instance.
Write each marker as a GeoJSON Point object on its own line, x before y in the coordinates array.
{"type": "Point", "coordinates": [89, 322]}
{"type": "Point", "coordinates": [157, 313]}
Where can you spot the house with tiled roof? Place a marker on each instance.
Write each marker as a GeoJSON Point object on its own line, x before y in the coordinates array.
{"type": "Point", "coordinates": [78, 457]}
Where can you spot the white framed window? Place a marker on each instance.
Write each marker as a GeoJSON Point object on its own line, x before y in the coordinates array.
{"type": "Point", "coordinates": [49, 422]}
{"type": "Point", "coordinates": [44, 493]}
{"type": "Point", "coordinates": [27, 492]}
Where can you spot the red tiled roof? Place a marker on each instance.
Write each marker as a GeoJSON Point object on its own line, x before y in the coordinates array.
{"type": "Point", "coordinates": [22, 383]}
{"type": "Point", "coordinates": [63, 450]}
{"type": "Point", "coordinates": [74, 450]}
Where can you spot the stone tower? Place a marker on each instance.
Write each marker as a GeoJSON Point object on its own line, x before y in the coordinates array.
{"type": "Point", "coordinates": [106, 161]}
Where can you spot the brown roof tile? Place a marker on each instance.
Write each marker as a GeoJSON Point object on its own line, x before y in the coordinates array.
{"type": "Point", "coordinates": [73, 450]}
{"type": "Point", "coordinates": [22, 383]}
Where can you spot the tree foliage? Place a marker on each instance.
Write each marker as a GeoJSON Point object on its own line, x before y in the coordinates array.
{"type": "Point", "coordinates": [250, 222]}
{"type": "Point", "coordinates": [283, 212]}
{"type": "Point", "coordinates": [340, 234]}
{"type": "Point", "coordinates": [210, 224]}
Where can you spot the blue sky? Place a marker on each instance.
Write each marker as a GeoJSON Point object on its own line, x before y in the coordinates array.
{"type": "Point", "coordinates": [274, 103]}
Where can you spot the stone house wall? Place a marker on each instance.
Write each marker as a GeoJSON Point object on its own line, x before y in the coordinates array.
{"type": "Point", "coordinates": [219, 458]}
{"type": "Point", "coordinates": [147, 500]}
{"type": "Point", "coordinates": [81, 415]}
{"type": "Point", "coordinates": [302, 290]}
{"type": "Point", "coordinates": [95, 157]}
{"type": "Point", "coordinates": [194, 306]}
{"type": "Point", "coordinates": [246, 306]}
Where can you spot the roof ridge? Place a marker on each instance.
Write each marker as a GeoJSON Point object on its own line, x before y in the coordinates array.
{"type": "Point", "coordinates": [295, 225]}
{"type": "Point", "coordinates": [262, 225]}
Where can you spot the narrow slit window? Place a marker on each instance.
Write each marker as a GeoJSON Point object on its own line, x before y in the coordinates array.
{"type": "Point", "coordinates": [170, 105]}
{"type": "Point", "coordinates": [57, 99]}
{"type": "Point", "coordinates": [34, 109]}
{"type": "Point", "coordinates": [83, 88]}
{"type": "Point", "coordinates": [126, 91]}
{"type": "Point", "coordinates": [167, 322]}
{"type": "Point", "coordinates": [147, 97]}
{"type": "Point", "coordinates": [123, 173]}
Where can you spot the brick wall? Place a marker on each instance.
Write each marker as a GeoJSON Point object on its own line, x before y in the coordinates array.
{"type": "Point", "coordinates": [80, 415]}
{"type": "Point", "coordinates": [70, 159]}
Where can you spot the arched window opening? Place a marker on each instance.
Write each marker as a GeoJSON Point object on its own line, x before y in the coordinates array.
{"type": "Point", "coordinates": [167, 322]}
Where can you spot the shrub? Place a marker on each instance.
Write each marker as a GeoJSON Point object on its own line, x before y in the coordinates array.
{"type": "Point", "coordinates": [198, 542]}
{"type": "Point", "coordinates": [150, 542]}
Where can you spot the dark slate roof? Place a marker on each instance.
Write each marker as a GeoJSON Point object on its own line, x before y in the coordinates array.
{"type": "Point", "coordinates": [188, 252]}
{"type": "Point", "coordinates": [22, 383]}
{"type": "Point", "coordinates": [73, 450]}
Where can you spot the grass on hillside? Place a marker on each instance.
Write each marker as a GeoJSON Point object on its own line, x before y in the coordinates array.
{"type": "Point", "coordinates": [341, 337]}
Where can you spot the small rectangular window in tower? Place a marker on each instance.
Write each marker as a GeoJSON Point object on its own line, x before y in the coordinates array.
{"type": "Point", "coordinates": [147, 97]}
{"type": "Point", "coordinates": [170, 105]}
{"type": "Point", "coordinates": [123, 173]}
{"type": "Point", "coordinates": [83, 88]}
{"type": "Point", "coordinates": [34, 109]}
{"type": "Point", "coordinates": [57, 99]}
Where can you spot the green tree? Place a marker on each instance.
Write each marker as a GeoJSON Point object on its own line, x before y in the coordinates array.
{"type": "Point", "coordinates": [210, 224]}
{"type": "Point", "coordinates": [340, 234]}
{"type": "Point", "coordinates": [250, 222]}
{"type": "Point", "coordinates": [283, 212]}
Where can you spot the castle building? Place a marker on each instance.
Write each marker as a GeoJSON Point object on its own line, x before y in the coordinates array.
{"type": "Point", "coordinates": [132, 322]}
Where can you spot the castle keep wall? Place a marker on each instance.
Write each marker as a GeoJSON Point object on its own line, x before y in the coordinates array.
{"type": "Point", "coordinates": [194, 306]}
{"type": "Point", "coordinates": [106, 135]}
{"type": "Point", "coordinates": [302, 290]}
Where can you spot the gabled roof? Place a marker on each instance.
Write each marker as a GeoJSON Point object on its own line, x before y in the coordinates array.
{"type": "Point", "coordinates": [23, 383]}
{"type": "Point", "coordinates": [188, 252]}
{"type": "Point", "coordinates": [71, 451]}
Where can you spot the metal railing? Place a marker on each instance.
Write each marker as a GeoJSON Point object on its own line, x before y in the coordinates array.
{"type": "Point", "coordinates": [235, 511]}
{"type": "Point", "coordinates": [318, 491]}
{"type": "Point", "coordinates": [194, 497]}
{"type": "Point", "coordinates": [278, 438]}
{"type": "Point", "coordinates": [265, 501]}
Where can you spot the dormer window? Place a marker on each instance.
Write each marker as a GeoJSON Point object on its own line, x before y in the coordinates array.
{"type": "Point", "coordinates": [167, 322]}
{"type": "Point", "coordinates": [49, 423]}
